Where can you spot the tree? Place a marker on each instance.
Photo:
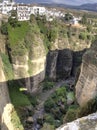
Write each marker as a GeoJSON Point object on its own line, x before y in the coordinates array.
{"type": "Point", "coordinates": [82, 36]}
{"type": "Point", "coordinates": [13, 22]}
{"type": "Point", "coordinates": [4, 29]}
{"type": "Point", "coordinates": [89, 28]}
{"type": "Point", "coordinates": [68, 16]}
{"type": "Point", "coordinates": [84, 19]}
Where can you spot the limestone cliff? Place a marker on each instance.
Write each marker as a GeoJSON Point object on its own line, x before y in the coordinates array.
{"type": "Point", "coordinates": [52, 64]}
{"type": "Point", "coordinates": [86, 87]}
{"type": "Point", "coordinates": [4, 96]}
{"type": "Point", "coordinates": [6, 108]}
{"type": "Point", "coordinates": [84, 123]}
{"type": "Point", "coordinates": [62, 64]}
{"type": "Point", "coordinates": [31, 66]}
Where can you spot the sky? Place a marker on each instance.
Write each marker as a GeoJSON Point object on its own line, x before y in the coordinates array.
{"type": "Point", "coordinates": [70, 2]}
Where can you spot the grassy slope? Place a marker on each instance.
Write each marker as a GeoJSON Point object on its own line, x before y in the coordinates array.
{"type": "Point", "coordinates": [18, 33]}
{"type": "Point", "coordinates": [17, 97]}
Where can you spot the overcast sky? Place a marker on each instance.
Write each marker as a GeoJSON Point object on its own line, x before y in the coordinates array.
{"type": "Point", "coordinates": [71, 2]}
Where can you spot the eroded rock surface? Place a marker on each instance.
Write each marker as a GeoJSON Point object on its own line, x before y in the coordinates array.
{"type": "Point", "coordinates": [86, 87]}
{"type": "Point", "coordinates": [85, 123]}
{"type": "Point", "coordinates": [31, 67]}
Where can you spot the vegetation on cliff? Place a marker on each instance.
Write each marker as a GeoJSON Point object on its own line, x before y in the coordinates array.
{"type": "Point", "coordinates": [8, 70]}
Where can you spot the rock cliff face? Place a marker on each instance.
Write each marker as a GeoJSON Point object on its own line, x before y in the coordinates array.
{"type": "Point", "coordinates": [62, 64]}
{"type": "Point", "coordinates": [31, 66]}
{"type": "Point", "coordinates": [4, 99]}
{"type": "Point", "coordinates": [86, 87]}
{"type": "Point", "coordinates": [52, 64]}
{"type": "Point", "coordinates": [84, 123]}
{"type": "Point", "coordinates": [59, 64]}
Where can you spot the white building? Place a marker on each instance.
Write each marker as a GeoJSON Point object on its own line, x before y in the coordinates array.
{"type": "Point", "coordinates": [6, 6]}
{"type": "Point", "coordinates": [74, 21]}
{"type": "Point", "coordinates": [38, 10]}
{"type": "Point", "coordinates": [23, 12]}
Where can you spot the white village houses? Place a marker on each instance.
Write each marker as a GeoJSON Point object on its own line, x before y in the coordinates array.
{"type": "Point", "coordinates": [6, 6]}
{"type": "Point", "coordinates": [24, 11]}
{"type": "Point", "coordinates": [38, 10]}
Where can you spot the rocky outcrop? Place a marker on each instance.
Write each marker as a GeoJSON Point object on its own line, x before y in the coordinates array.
{"type": "Point", "coordinates": [84, 123]}
{"type": "Point", "coordinates": [71, 43]}
{"type": "Point", "coordinates": [64, 63]}
{"type": "Point", "coordinates": [52, 64]}
{"type": "Point", "coordinates": [59, 64]}
{"type": "Point", "coordinates": [86, 87]}
{"type": "Point", "coordinates": [77, 60]}
{"type": "Point", "coordinates": [30, 68]}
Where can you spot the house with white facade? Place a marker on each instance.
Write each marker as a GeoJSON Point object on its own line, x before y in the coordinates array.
{"type": "Point", "coordinates": [38, 10]}
{"type": "Point", "coordinates": [6, 6]}
{"type": "Point", "coordinates": [75, 20]}
{"type": "Point", "coordinates": [23, 12]}
{"type": "Point", "coordinates": [52, 14]}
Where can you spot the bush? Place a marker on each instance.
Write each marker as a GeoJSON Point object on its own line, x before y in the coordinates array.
{"type": "Point", "coordinates": [52, 34]}
{"type": "Point", "coordinates": [48, 85]}
{"type": "Point", "coordinates": [16, 121]}
{"type": "Point", "coordinates": [33, 100]}
{"type": "Point", "coordinates": [46, 126]}
{"type": "Point", "coordinates": [4, 29]}
{"type": "Point", "coordinates": [82, 36]}
{"type": "Point", "coordinates": [70, 115]}
{"type": "Point", "coordinates": [49, 119]}
{"type": "Point", "coordinates": [7, 67]}
{"type": "Point", "coordinates": [89, 28]}
{"type": "Point", "coordinates": [68, 17]}
{"type": "Point", "coordinates": [56, 104]}
{"type": "Point", "coordinates": [17, 34]}
{"type": "Point", "coordinates": [49, 104]}
{"type": "Point", "coordinates": [13, 22]}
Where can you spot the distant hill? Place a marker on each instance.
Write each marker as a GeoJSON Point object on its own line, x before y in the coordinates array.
{"type": "Point", "coordinates": [89, 7]}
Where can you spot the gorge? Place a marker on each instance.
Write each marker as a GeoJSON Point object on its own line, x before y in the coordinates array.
{"type": "Point", "coordinates": [38, 51]}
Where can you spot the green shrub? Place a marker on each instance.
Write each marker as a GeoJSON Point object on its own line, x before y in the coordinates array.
{"type": "Point", "coordinates": [82, 36]}
{"type": "Point", "coordinates": [48, 85]}
{"type": "Point", "coordinates": [68, 16]}
{"type": "Point", "coordinates": [7, 67]}
{"type": "Point", "coordinates": [17, 34]}
{"type": "Point", "coordinates": [89, 28]}
{"type": "Point", "coordinates": [19, 49]}
{"type": "Point", "coordinates": [17, 97]}
{"type": "Point", "coordinates": [16, 121]}
{"type": "Point", "coordinates": [70, 115]}
{"type": "Point", "coordinates": [52, 34]}
{"type": "Point", "coordinates": [47, 126]}
{"type": "Point", "coordinates": [57, 104]}
{"type": "Point", "coordinates": [49, 104]}
{"type": "Point", "coordinates": [33, 100]}
{"type": "Point", "coordinates": [4, 29]}
{"type": "Point", "coordinates": [89, 37]}
{"type": "Point", "coordinates": [49, 119]}
{"type": "Point", "coordinates": [14, 22]}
